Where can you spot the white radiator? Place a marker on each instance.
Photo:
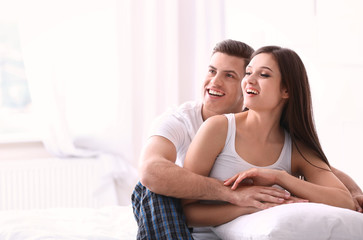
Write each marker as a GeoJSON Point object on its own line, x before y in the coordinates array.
{"type": "Point", "coordinates": [53, 182]}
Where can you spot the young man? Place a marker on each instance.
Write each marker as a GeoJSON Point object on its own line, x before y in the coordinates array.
{"type": "Point", "coordinates": [163, 180]}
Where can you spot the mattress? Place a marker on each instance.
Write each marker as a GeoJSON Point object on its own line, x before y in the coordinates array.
{"type": "Point", "coordinates": [106, 223]}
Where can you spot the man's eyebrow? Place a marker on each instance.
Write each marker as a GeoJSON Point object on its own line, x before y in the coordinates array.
{"type": "Point", "coordinates": [227, 71]}
{"type": "Point", "coordinates": [210, 66]}
{"type": "Point", "coordinates": [231, 71]}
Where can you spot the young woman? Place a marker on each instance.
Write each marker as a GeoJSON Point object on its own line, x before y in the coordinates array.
{"type": "Point", "coordinates": [270, 144]}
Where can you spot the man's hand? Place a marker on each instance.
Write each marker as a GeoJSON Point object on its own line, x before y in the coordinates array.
{"type": "Point", "coordinates": [352, 186]}
{"type": "Point", "coordinates": [358, 201]}
{"type": "Point", "coordinates": [262, 197]}
{"type": "Point", "coordinates": [295, 200]}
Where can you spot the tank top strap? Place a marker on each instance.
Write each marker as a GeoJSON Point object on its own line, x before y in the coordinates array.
{"type": "Point", "coordinates": [231, 132]}
{"type": "Point", "coordinates": [284, 161]}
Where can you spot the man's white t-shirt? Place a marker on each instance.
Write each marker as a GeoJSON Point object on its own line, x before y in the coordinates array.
{"type": "Point", "coordinates": [179, 125]}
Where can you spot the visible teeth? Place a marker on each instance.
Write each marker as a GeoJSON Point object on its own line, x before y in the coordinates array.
{"type": "Point", "coordinates": [252, 91]}
{"type": "Point", "coordinates": [215, 92]}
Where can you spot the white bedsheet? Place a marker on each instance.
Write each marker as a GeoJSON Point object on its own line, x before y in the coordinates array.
{"type": "Point", "coordinates": [107, 223]}
{"type": "Point", "coordinates": [290, 221]}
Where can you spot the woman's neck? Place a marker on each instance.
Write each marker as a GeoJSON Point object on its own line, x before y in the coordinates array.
{"type": "Point", "coordinates": [264, 126]}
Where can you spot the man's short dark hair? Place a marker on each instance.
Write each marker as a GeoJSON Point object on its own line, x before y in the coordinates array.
{"type": "Point", "coordinates": [234, 48]}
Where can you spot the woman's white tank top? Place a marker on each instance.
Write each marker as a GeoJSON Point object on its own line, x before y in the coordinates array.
{"type": "Point", "coordinates": [229, 163]}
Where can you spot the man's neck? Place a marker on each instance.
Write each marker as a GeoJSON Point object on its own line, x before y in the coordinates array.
{"type": "Point", "coordinates": [207, 114]}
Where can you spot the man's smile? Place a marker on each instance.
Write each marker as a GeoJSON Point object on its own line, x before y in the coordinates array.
{"type": "Point", "coordinates": [215, 93]}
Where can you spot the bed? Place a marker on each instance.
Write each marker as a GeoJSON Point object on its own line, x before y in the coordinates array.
{"type": "Point", "coordinates": [299, 221]}
{"type": "Point", "coordinates": [105, 223]}
{"type": "Point", "coordinates": [66, 198]}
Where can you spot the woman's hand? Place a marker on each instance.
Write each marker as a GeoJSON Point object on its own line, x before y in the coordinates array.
{"type": "Point", "coordinates": [259, 176]}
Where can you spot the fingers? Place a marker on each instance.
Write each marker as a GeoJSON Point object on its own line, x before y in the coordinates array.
{"type": "Point", "coordinates": [276, 201]}
{"type": "Point", "coordinates": [359, 209]}
{"type": "Point", "coordinates": [276, 192]}
{"type": "Point", "coordinates": [266, 205]}
{"type": "Point", "coordinates": [260, 205]}
{"type": "Point", "coordinates": [357, 205]}
{"type": "Point", "coordinates": [265, 197]}
{"type": "Point", "coordinates": [295, 200]}
{"type": "Point", "coordinates": [360, 202]}
{"type": "Point", "coordinates": [268, 198]}
{"type": "Point", "coordinates": [261, 197]}
{"type": "Point", "coordinates": [270, 205]}
{"type": "Point", "coordinates": [230, 180]}
{"type": "Point", "coordinates": [235, 184]}
{"type": "Point", "coordinates": [237, 179]}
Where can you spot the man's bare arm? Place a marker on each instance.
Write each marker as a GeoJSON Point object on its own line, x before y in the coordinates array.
{"type": "Point", "coordinates": [161, 175]}
{"type": "Point", "coordinates": [352, 186]}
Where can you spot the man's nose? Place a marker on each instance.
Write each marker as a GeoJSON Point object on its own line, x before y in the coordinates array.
{"type": "Point", "coordinates": [217, 80]}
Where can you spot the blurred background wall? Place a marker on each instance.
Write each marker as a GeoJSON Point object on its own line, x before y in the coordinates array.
{"type": "Point", "coordinates": [90, 76]}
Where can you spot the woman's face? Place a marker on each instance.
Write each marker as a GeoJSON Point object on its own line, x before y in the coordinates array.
{"type": "Point", "coordinates": [261, 85]}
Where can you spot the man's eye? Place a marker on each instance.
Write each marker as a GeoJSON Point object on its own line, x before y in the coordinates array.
{"type": "Point", "coordinates": [211, 71]}
{"type": "Point", "coordinates": [248, 73]}
{"type": "Point", "coordinates": [230, 75]}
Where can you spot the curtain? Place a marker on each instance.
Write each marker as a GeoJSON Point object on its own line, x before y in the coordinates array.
{"type": "Point", "coordinates": [100, 71]}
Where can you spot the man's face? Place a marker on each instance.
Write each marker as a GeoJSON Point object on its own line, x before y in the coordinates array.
{"type": "Point", "coordinates": [222, 92]}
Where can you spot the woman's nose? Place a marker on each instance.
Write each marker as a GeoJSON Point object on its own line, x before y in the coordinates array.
{"type": "Point", "coordinates": [250, 78]}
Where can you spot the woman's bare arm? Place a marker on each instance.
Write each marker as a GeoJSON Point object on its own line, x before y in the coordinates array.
{"type": "Point", "coordinates": [322, 186]}
{"type": "Point", "coordinates": [201, 155]}
{"type": "Point", "coordinates": [352, 186]}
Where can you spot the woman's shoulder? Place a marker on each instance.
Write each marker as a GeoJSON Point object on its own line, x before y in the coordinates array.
{"type": "Point", "coordinates": [217, 120]}
{"type": "Point", "coordinates": [216, 124]}
{"type": "Point", "coordinates": [211, 135]}
{"type": "Point", "coordinates": [220, 122]}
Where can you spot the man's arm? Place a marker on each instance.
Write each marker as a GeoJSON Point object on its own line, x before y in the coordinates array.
{"type": "Point", "coordinates": [352, 186]}
{"type": "Point", "coordinates": [161, 175]}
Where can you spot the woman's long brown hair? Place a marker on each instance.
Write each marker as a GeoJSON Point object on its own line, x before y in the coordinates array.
{"type": "Point", "coordinates": [297, 115]}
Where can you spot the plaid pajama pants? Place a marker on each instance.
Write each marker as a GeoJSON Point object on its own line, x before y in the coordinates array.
{"type": "Point", "coordinates": [158, 217]}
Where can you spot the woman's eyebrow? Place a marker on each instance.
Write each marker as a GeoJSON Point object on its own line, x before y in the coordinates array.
{"type": "Point", "coordinates": [265, 67]}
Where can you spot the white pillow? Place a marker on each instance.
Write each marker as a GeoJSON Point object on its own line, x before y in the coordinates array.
{"type": "Point", "coordinates": [295, 221]}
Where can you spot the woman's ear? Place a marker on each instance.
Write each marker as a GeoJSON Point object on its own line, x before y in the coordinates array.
{"type": "Point", "coordinates": [285, 93]}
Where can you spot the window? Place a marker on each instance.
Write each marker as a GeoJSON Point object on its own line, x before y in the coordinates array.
{"type": "Point", "coordinates": [15, 100]}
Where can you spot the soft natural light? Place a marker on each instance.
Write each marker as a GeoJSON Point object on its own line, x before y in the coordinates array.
{"type": "Point", "coordinates": [83, 81]}
{"type": "Point", "coordinates": [16, 119]}
{"type": "Point", "coordinates": [90, 55]}
{"type": "Point", "coordinates": [327, 35]}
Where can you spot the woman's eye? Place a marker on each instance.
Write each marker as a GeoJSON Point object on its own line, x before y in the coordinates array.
{"type": "Point", "coordinates": [248, 73]}
{"type": "Point", "coordinates": [264, 75]}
